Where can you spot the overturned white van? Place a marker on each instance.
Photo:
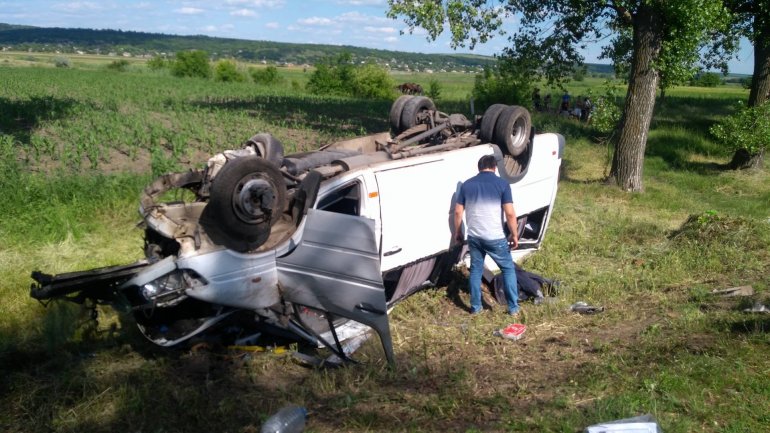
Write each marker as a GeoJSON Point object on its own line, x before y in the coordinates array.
{"type": "Point", "coordinates": [301, 246]}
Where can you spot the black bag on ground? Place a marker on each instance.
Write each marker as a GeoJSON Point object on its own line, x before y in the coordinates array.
{"type": "Point", "coordinates": [530, 285]}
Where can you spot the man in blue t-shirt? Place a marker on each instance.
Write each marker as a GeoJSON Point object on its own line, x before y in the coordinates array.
{"type": "Point", "coordinates": [484, 199]}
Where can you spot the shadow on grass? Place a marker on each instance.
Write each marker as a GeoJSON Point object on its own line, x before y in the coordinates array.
{"type": "Point", "coordinates": [20, 117]}
{"type": "Point", "coordinates": [752, 325]}
{"type": "Point", "coordinates": [326, 114]}
{"type": "Point", "coordinates": [676, 151]}
{"type": "Point", "coordinates": [697, 112]}
{"type": "Point", "coordinates": [89, 388]}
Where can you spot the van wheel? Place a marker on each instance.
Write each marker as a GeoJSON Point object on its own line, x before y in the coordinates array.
{"type": "Point", "coordinates": [247, 197]}
{"type": "Point", "coordinates": [412, 109]}
{"type": "Point", "coordinates": [395, 113]}
{"type": "Point", "coordinates": [512, 129]}
{"type": "Point", "coordinates": [512, 165]}
{"type": "Point", "coordinates": [268, 147]}
{"type": "Point", "coordinates": [488, 121]}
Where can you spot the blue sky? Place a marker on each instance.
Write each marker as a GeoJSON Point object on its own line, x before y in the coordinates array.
{"type": "Point", "coordinates": [339, 22]}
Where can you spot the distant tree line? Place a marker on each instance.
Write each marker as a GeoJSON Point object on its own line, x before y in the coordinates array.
{"type": "Point", "coordinates": [118, 41]}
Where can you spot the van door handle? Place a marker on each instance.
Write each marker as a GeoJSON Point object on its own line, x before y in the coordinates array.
{"type": "Point", "coordinates": [393, 251]}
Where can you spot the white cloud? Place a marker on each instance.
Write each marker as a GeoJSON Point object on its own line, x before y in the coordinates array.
{"type": "Point", "coordinates": [391, 39]}
{"type": "Point", "coordinates": [371, 29]}
{"type": "Point", "coordinates": [256, 3]}
{"type": "Point", "coordinates": [357, 17]}
{"type": "Point", "coordinates": [78, 6]}
{"type": "Point", "coordinates": [272, 25]}
{"type": "Point", "coordinates": [316, 21]}
{"type": "Point", "coordinates": [189, 11]}
{"type": "Point", "coordinates": [361, 2]}
{"type": "Point", "coordinates": [244, 13]}
{"type": "Point", "coordinates": [224, 28]}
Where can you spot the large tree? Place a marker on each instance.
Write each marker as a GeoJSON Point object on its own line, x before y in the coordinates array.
{"type": "Point", "coordinates": [664, 37]}
{"type": "Point", "coordinates": [751, 19]}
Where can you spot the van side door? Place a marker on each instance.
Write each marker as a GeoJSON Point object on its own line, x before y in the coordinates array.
{"type": "Point", "coordinates": [336, 265]}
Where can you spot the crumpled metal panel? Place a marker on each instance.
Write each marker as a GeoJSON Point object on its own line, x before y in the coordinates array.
{"type": "Point", "coordinates": [336, 268]}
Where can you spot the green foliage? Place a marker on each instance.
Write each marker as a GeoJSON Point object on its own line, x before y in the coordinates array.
{"type": "Point", "coordinates": [711, 229]}
{"type": "Point", "coordinates": [748, 129]}
{"type": "Point", "coordinates": [9, 166]}
{"type": "Point", "coordinates": [333, 76]}
{"type": "Point", "coordinates": [193, 63]}
{"type": "Point", "coordinates": [339, 76]}
{"type": "Point", "coordinates": [227, 71]}
{"type": "Point", "coordinates": [62, 62]}
{"type": "Point", "coordinates": [156, 63]}
{"type": "Point", "coordinates": [372, 82]}
{"type": "Point", "coordinates": [606, 112]}
{"type": "Point", "coordinates": [434, 89]}
{"type": "Point", "coordinates": [746, 82]}
{"type": "Point", "coordinates": [161, 163]}
{"type": "Point", "coordinates": [502, 85]}
{"type": "Point", "coordinates": [707, 79]}
{"type": "Point", "coordinates": [580, 74]}
{"type": "Point", "coordinates": [118, 65]}
{"type": "Point", "coordinates": [265, 76]}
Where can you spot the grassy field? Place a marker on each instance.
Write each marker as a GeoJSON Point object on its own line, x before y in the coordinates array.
{"type": "Point", "coordinates": [78, 145]}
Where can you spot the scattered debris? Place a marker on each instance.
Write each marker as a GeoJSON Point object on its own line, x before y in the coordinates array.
{"type": "Point", "coordinates": [640, 424]}
{"type": "Point", "coordinates": [583, 308]}
{"type": "Point", "coordinates": [734, 291]}
{"type": "Point", "coordinates": [758, 307]}
{"type": "Point", "coordinates": [514, 331]}
{"type": "Point", "coordinates": [290, 419]}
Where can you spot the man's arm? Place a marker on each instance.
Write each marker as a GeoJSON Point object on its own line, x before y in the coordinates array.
{"type": "Point", "coordinates": [510, 219]}
{"type": "Point", "coordinates": [459, 209]}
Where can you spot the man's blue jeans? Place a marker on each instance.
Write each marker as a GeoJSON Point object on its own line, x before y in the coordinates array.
{"type": "Point", "coordinates": [500, 252]}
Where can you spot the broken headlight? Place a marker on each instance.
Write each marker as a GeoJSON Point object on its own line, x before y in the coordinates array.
{"type": "Point", "coordinates": [169, 289]}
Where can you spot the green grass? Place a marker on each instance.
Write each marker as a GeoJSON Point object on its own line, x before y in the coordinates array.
{"type": "Point", "coordinates": [77, 147]}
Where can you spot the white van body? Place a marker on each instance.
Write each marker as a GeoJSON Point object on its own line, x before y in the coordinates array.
{"type": "Point", "coordinates": [366, 222]}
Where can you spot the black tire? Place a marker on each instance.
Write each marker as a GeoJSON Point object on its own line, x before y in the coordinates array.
{"type": "Point", "coordinates": [247, 197]}
{"type": "Point", "coordinates": [395, 113]}
{"type": "Point", "coordinates": [513, 167]}
{"type": "Point", "coordinates": [412, 109]}
{"type": "Point", "coordinates": [268, 147]}
{"type": "Point", "coordinates": [512, 130]}
{"type": "Point", "coordinates": [488, 121]}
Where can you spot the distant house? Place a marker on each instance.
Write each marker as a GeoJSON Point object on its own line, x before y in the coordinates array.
{"type": "Point", "coordinates": [126, 54]}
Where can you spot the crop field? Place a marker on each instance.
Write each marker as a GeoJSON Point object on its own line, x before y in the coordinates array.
{"type": "Point", "coordinates": [77, 146]}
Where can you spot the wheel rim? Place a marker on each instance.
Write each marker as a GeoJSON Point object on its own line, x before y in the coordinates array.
{"type": "Point", "coordinates": [254, 199]}
{"type": "Point", "coordinates": [517, 132]}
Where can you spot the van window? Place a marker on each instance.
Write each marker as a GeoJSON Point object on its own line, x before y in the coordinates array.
{"type": "Point", "coordinates": [345, 199]}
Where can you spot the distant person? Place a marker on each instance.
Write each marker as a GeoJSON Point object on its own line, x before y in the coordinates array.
{"type": "Point", "coordinates": [536, 101]}
{"type": "Point", "coordinates": [547, 102]}
{"type": "Point", "coordinates": [485, 199]}
{"type": "Point", "coordinates": [587, 107]}
{"type": "Point", "coordinates": [565, 100]}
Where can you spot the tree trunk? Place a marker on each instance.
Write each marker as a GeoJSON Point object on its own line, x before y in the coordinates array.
{"type": "Point", "coordinates": [628, 160]}
{"type": "Point", "coordinates": [760, 92]}
{"type": "Point", "coordinates": [760, 82]}
{"type": "Point", "coordinates": [743, 160]}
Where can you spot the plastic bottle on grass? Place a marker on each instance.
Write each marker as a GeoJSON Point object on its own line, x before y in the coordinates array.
{"type": "Point", "coordinates": [290, 419]}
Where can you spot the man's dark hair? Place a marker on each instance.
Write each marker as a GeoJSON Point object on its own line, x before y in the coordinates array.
{"type": "Point", "coordinates": [487, 162]}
